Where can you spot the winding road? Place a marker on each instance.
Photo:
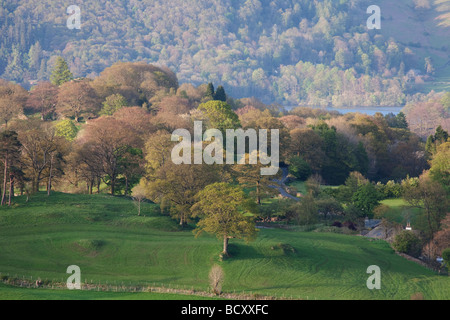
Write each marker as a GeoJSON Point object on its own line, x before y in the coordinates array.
{"type": "Point", "coordinates": [280, 186]}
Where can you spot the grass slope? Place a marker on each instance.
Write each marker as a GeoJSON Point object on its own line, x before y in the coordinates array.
{"type": "Point", "coordinates": [429, 28]}
{"type": "Point", "coordinates": [110, 243]}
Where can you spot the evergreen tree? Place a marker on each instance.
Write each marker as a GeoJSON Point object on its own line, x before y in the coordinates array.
{"type": "Point", "coordinates": [220, 94]}
{"type": "Point", "coordinates": [210, 91]}
{"type": "Point", "coordinates": [61, 72]}
{"type": "Point", "coordinates": [401, 121]}
{"type": "Point", "coordinates": [441, 135]}
{"type": "Point", "coordinates": [430, 146]}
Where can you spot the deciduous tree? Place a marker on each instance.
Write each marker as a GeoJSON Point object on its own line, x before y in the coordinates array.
{"type": "Point", "coordinates": [222, 211]}
{"type": "Point", "coordinates": [76, 99]}
{"type": "Point", "coordinates": [12, 100]}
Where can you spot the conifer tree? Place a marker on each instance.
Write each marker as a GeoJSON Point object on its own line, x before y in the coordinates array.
{"type": "Point", "coordinates": [61, 72]}
{"type": "Point", "coordinates": [220, 94]}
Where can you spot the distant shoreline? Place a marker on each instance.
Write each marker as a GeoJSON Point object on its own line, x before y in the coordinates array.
{"type": "Point", "coordinates": [366, 110]}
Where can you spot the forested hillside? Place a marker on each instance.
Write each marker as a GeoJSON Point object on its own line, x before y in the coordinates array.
{"type": "Point", "coordinates": [285, 51]}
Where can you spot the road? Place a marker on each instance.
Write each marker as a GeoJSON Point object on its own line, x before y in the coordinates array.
{"type": "Point", "coordinates": [280, 185]}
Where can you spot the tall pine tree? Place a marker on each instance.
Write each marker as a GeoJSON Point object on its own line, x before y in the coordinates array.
{"type": "Point", "coordinates": [61, 72]}
{"type": "Point", "coordinates": [220, 94]}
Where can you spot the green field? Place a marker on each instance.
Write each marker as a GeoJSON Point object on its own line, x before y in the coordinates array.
{"type": "Point", "coordinates": [14, 293]}
{"type": "Point", "coordinates": [112, 245]}
{"type": "Point", "coordinates": [400, 212]}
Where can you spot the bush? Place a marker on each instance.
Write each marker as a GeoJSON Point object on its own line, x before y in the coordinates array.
{"type": "Point", "coordinates": [350, 225]}
{"type": "Point", "coordinates": [446, 257]}
{"type": "Point", "coordinates": [337, 224]}
{"type": "Point", "coordinates": [216, 277]}
{"type": "Point", "coordinates": [407, 242]}
{"type": "Point", "coordinates": [299, 168]}
{"type": "Point", "coordinates": [417, 296]}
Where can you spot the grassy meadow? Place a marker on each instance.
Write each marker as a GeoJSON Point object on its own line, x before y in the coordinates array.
{"type": "Point", "coordinates": [112, 245]}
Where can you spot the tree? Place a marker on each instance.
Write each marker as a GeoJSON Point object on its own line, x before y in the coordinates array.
{"type": "Point", "coordinates": [446, 257]}
{"type": "Point", "coordinates": [299, 168]}
{"type": "Point", "coordinates": [77, 98]}
{"type": "Point", "coordinates": [43, 99]}
{"type": "Point", "coordinates": [66, 129]}
{"type": "Point", "coordinates": [306, 143]}
{"type": "Point", "coordinates": [61, 72]}
{"type": "Point", "coordinates": [329, 206]}
{"type": "Point", "coordinates": [216, 278]}
{"type": "Point", "coordinates": [441, 135]}
{"type": "Point", "coordinates": [220, 94]}
{"type": "Point", "coordinates": [210, 91]}
{"type": "Point", "coordinates": [305, 212]}
{"type": "Point", "coordinates": [445, 101]}
{"type": "Point", "coordinates": [249, 176]}
{"type": "Point", "coordinates": [131, 167]}
{"type": "Point", "coordinates": [440, 166]}
{"type": "Point", "coordinates": [407, 242]}
{"type": "Point", "coordinates": [221, 208]}
{"type": "Point", "coordinates": [219, 115]}
{"type": "Point", "coordinates": [139, 195]}
{"type": "Point", "coordinates": [39, 148]}
{"type": "Point", "coordinates": [12, 100]}
{"type": "Point", "coordinates": [85, 164]}
{"type": "Point", "coordinates": [113, 103]}
{"type": "Point", "coordinates": [110, 141]}
{"type": "Point", "coordinates": [366, 198]}
{"type": "Point", "coordinates": [9, 156]}
{"type": "Point", "coordinates": [177, 185]}
{"type": "Point", "coordinates": [138, 82]}
{"type": "Point", "coordinates": [429, 195]}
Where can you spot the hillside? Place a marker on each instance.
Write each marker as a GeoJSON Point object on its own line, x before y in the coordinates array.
{"type": "Point", "coordinates": [112, 245]}
{"type": "Point", "coordinates": [290, 52]}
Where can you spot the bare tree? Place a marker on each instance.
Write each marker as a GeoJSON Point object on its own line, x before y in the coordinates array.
{"type": "Point", "coordinates": [12, 100]}
{"type": "Point", "coordinates": [139, 196]}
{"type": "Point", "coordinates": [216, 278]}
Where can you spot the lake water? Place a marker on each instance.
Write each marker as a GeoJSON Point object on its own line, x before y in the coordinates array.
{"type": "Point", "coordinates": [365, 110]}
{"type": "Point", "coordinates": [369, 110]}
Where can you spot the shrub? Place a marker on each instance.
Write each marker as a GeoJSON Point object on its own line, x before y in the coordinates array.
{"type": "Point", "coordinates": [337, 224]}
{"type": "Point", "coordinates": [407, 242]}
{"type": "Point", "coordinates": [417, 296]}
{"type": "Point", "coordinates": [350, 225]}
{"type": "Point", "coordinates": [299, 168]}
{"type": "Point", "coordinates": [216, 277]}
{"type": "Point", "coordinates": [446, 257]}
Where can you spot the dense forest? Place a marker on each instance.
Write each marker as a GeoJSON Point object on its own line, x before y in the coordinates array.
{"type": "Point", "coordinates": [289, 52]}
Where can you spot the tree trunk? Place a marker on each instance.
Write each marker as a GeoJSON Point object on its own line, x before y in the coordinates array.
{"type": "Point", "coordinates": [225, 245]}
{"type": "Point", "coordinates": [11, 188]}
{"type": "Point", "coordinates": [182, 220]}
{"type": "Point", "coordinates": [36, 183]}
{"type": "Point", "coordinates": [4, 180]}
{"type": "Point", "coordinates": [126, 186]}
{"type": "Point", "coordinates": [49, 187]}
{"type": "Point", "coordinates": [113, 186]}
{"type": "Point", "coordinates": [258, 195]}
